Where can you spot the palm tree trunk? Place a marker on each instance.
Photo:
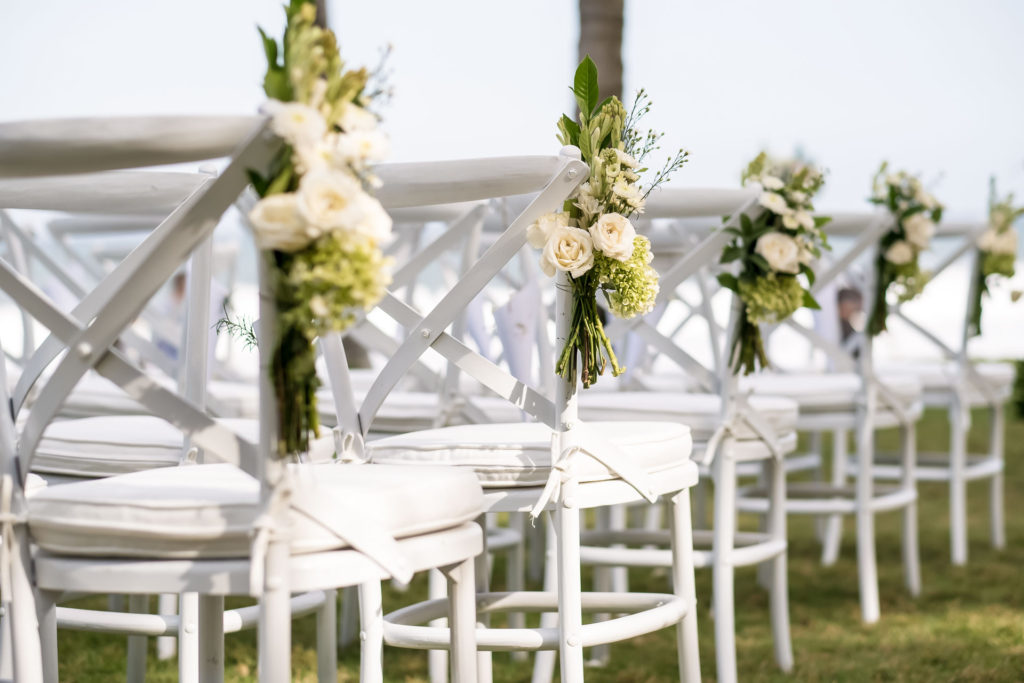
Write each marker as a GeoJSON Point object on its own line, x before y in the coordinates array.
{"type": "Point", "coordinates": [321, 13]}
{"type": "Point", "coordinates": [601, 37]}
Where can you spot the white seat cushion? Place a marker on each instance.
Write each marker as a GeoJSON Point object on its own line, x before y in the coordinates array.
{"type": "Point", "coordinates": [519, 454]}
{"type": "Point", "coordinates": [409, 411]}
{"type": "Point", "coordinates": [700, 412]}
{"type": "Point", "coordinates": [96, 395]}
{"type": "Point", "coordinates": [106, 446]}
{"type": "Point", "coordinates": [940, 377]}
{"type": "Point", "coordinates": [207, 511]}
{"type": "Point", "coordinates": [828, 392]}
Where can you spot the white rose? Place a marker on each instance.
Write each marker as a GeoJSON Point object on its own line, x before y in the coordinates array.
{"type": "Point", "coordinates": [297, 123]}
{"type": "Point", "coordinates": [798, 197]}
{"type": "Point", "coordinates": [789, 221]}
{"type": "Point", "coordinates": [770, 182]}
{"type": "Point", "coordinates": [774, 202]}
{"type": "Point", "coordinates": [899, 253]}
{"type": "Point", "coordinates": [538, 232]}
{"type": "Point", "coordinates": [374, 222]}
{"type": "Point", "coordinates": [613, 235]}
{"type": "Point", "coordinates": [780, 251]}
{"type": "Point", "coordinates": [628, 193]}
{"type": "Point", "coordinates": [924, 198]}
{"type": "Point", "coordinates": [315, 156]}
{"type": "Point", "coordinates": [353, 118]}
{"type": "Point", "coordinates": [330, 200]}
{"type": "Point", "coordinates": [625, 159]}
{"type": "Point", "coordinates": [1005, 242]}
{"type": "Point", "coordinates": [569, 250]}
{"type": "Point", "coordinates": [919, 229]}
{"type": "Point", "coordinates": [361, 146]}
{"type": "Point", "coordinates": [987, 240]}
{"type": "Point", "coordinates": [277, 224]}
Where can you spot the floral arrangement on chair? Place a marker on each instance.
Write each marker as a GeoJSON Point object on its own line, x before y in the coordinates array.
{"type": "Point", "coordinates": [316, 223]}
{"type": "Point", "coordinates": [997, 250]}
{"type": "Point", "coordinates": [772, 251]}
{"type": "Point", "coordinates": [592, 238]}
{"type": "Point", "coordinates": [916, 213]}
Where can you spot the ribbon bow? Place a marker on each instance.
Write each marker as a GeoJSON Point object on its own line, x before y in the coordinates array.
{"type": "Point", "coordinates": [739, 411]}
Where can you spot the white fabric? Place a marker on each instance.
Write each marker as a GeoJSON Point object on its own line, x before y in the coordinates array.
{"type": "Point", "coordinates": [700, 412]}
{"type": "Point", "coordinates": [409, 411]}
{"type": "Point", "coordinates": [207, 511]}
{"type": "Point", "coordinates": [944, 377]}
{"type": "Point", "coordinates": [828, 392]}
{"type": "Point", "coordinates": [96, 395]}
{"type": "Point", "coordinates": [519, 454]}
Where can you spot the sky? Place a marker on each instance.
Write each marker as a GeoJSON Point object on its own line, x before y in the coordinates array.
{"type": "Point", "coordinates": [932, 86]}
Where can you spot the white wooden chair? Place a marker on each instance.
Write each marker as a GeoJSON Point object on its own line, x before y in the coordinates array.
{"type": "Point", "coordinates": [252, 525]}
{"type": "Point", "coordinates": [956, 384]}
{"type": "Point", "coordinates": [557, 464]}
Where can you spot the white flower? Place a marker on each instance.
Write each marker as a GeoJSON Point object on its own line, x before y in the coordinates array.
{"type": "Point", "coordinates": [894, 179]}
{"type": "Point", "coordinates": [924, 198]}
{"type": "Point", "coordinates": [361, 146]}
{"type": "Point", "coordinates": [374, 222]}
{"type": "Point", "coordinates": [780, 251]}
{"type": "Point", "coordinates": [900, 253]}
{"type": "Point", "coordinates": [789, 221]}
{"type": "Point", "coordinates": [774, 202]}
{"type": "Point", "coordinates": [353, 118]}
{"type": "Point", "coordinates": [318, 306]}
{"type": "Point", "coordinates": [805, 219]}
{"type": "Point", "coordinates": [798, 197]}
{"type": "Point", "coordinates": [538, 232]}
{"type": "Point", "coordinates": [919, 230]}
{"type": "Point", "coordinates": [277, 224]}
{"type": "Point", "coordinates": [996, 242]}
{"type": "Point", "coordinates": [315, 156]}
{"type": "Point", "coordinates": [625, 159]}
{"type": "Point", "coordinates": [987, 239]}
{"type": "Point", "coordinates": [628, 192]}
{"type": "Point", "coordinates": [569, 250]}
{"type": "Point", "coordinates": [587, 203]}
{"type": "Point", "coordinates": [806, 256]}
{"type": "Point", "coordinates": [770, 182]}
{"type": "Point", "coordinates": [330, 200]}
{"type": "Point", "coordinates": [613, 235]}
{"type": "Point", "coordinates": [297, 123]}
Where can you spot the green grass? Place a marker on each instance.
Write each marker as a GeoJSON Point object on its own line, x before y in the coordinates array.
{"type": "Point", "coordinates": [968, 625]}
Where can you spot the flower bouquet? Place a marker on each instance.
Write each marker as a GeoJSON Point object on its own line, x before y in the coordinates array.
{"type": "Point", "coordinates": [316, 224]}
{"type": "Point", "coordinates": [592, 238]}
{"type": "Point", "coordinates": [915, 212]}
{"type": "Point", "coordinates": [772, 250]}
{"type": "Point", "coordinates": [997, 250]}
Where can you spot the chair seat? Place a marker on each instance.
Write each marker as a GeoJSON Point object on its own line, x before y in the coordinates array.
{"type": "Point", "coordinates": [700, 412]}
{"type": "Point", "coordinates": [110, 445]}
{"type": "Point", "coordinates": [829, 392]}
{"type": "Point", "coordinates": [940, 378]}
{"type": "Point", "coordinates": [410, 411]}
{"type": "Point", "coordinates": [519, 454]}
{"type": "Point", "coordinates": [208, 511]}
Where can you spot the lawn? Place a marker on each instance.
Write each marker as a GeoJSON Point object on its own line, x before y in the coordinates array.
{"type": "Point", "coordinates": [968, 625]}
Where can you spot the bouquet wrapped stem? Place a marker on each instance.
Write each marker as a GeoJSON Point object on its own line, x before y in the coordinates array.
{"type": "Point", "coordinates": [586, 340]}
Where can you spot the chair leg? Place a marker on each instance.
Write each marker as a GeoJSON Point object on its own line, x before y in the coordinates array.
{"type": "Point", "coordinates": [603, 582]}
{"type": "Point", "coordinates": [371, 634]}
{"type": "Point", "coordinates": [958, 483]}
{"type": "Point", "coordinates": [167, 646]}
{"type": "Point", "coordinates": [484, 659]}
{"type": "Point", "coordinates": [722, 571]}
{"type": "Point", "coordinates": [833, 532]}
{"type": "Point", "coordinates": [911, 553]}
{"type": "Point", "coordinates": [188, 638]}
{"type": "Point", "coordinates": [867, 567]}
{"type": "Point", "coordinates": [33, 621]}
{"type": "Point", "coordinates": [275, 620]}
{"type": "Point", "coordinates": [211, 638]}
{"type": "Point", "coordinates": [779, 591]}
{"type": "Point", "coordinates": [683, 584]}
{"type": "Point", "coordinates": [327, 639]}
{"type": "Point", "coordinates": [995, 498]}
{"type": "Point", "coordinates": [700, 505]}
{"type": "Point", "coordinates": [46, 606]}
{"type": "Point", "coordinates": [462, 617]}
{"type": "Point", "coordinates": [437, 660]}
{"type": "Point", "coordinates": [6, 643]}
{"type": "Point", "coordinates": [136, 648]}
{"type": "Point", "coordinates": [544, 660]}
{"type": "Point", "coordinates": [515, 572]}
{"type": "Point", "coordinates": [570, 590]}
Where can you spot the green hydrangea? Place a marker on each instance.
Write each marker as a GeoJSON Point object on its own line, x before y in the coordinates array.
{"type": "Point", "coordinates": [909, 280]}
{"type": "Point", "coordinates": [997, 264]}
{"type": "Point", "coordinates": [771, 298]}
{"type": "Point", "coordinates": [630, 287]}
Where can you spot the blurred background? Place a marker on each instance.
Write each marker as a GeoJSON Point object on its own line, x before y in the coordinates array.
{"type": "Point", "coordinates": [934, 86]}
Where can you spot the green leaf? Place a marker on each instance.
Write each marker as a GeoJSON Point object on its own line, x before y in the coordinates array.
{"type": "Point", "coordinates": [809, 273]}
{"type": "Point", "coordinates": [603, 102]}
{"type": "Point", "coordinates": [258, 182]}
{"type": "Point", "coordinates": [729, 281]}
{"type": "Point", "coordinates": [281, 182]}
{"type": "Point", "coordinates": [269, 48]}
{"type": "Point", "coordinates": [585, 86]}
{"type": "Point", "coordinates": [571, 129]}
{"type": "Point", "coordinates": [822, 220]}
{"type": "Point", "coordinates": [277, 86]}
{"type": "Point", "coordinates": [745, 222]}
{"type": "Point", "coordinates": [810, 302]}
{"type": "Point", "coordinates": [731, 253]}
{"type": "Point", "coordinates": [761, 262]}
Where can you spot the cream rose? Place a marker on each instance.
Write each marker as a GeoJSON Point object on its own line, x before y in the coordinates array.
{"type": "Point", "coordinates": [774, 202]}
{"type": "Point", "coordinates": [613, 235]}
{"type": "Point", "coordinates": [330, 200]}
{"type": "Point", "coordinates": [780, 251]}
{"type": "Point", "coordinates": [919, 230]}
{"type": "Point", "coordinates": [899, 253]}
{"type": "Point", "coordinates": [299, 124]}
{"type": "Point", "coordinates": [569, 250]}
{"type": "Point", "coordinates": [374, 222]}
{"type": "Point", "coordinates": [538, 232]}
{"type": "Point", "coordinates": [770, 182]}
{"type": "Point", "coordinates": [277, 224]}
{"type": "Point", "coordinates": [1005, 242]}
